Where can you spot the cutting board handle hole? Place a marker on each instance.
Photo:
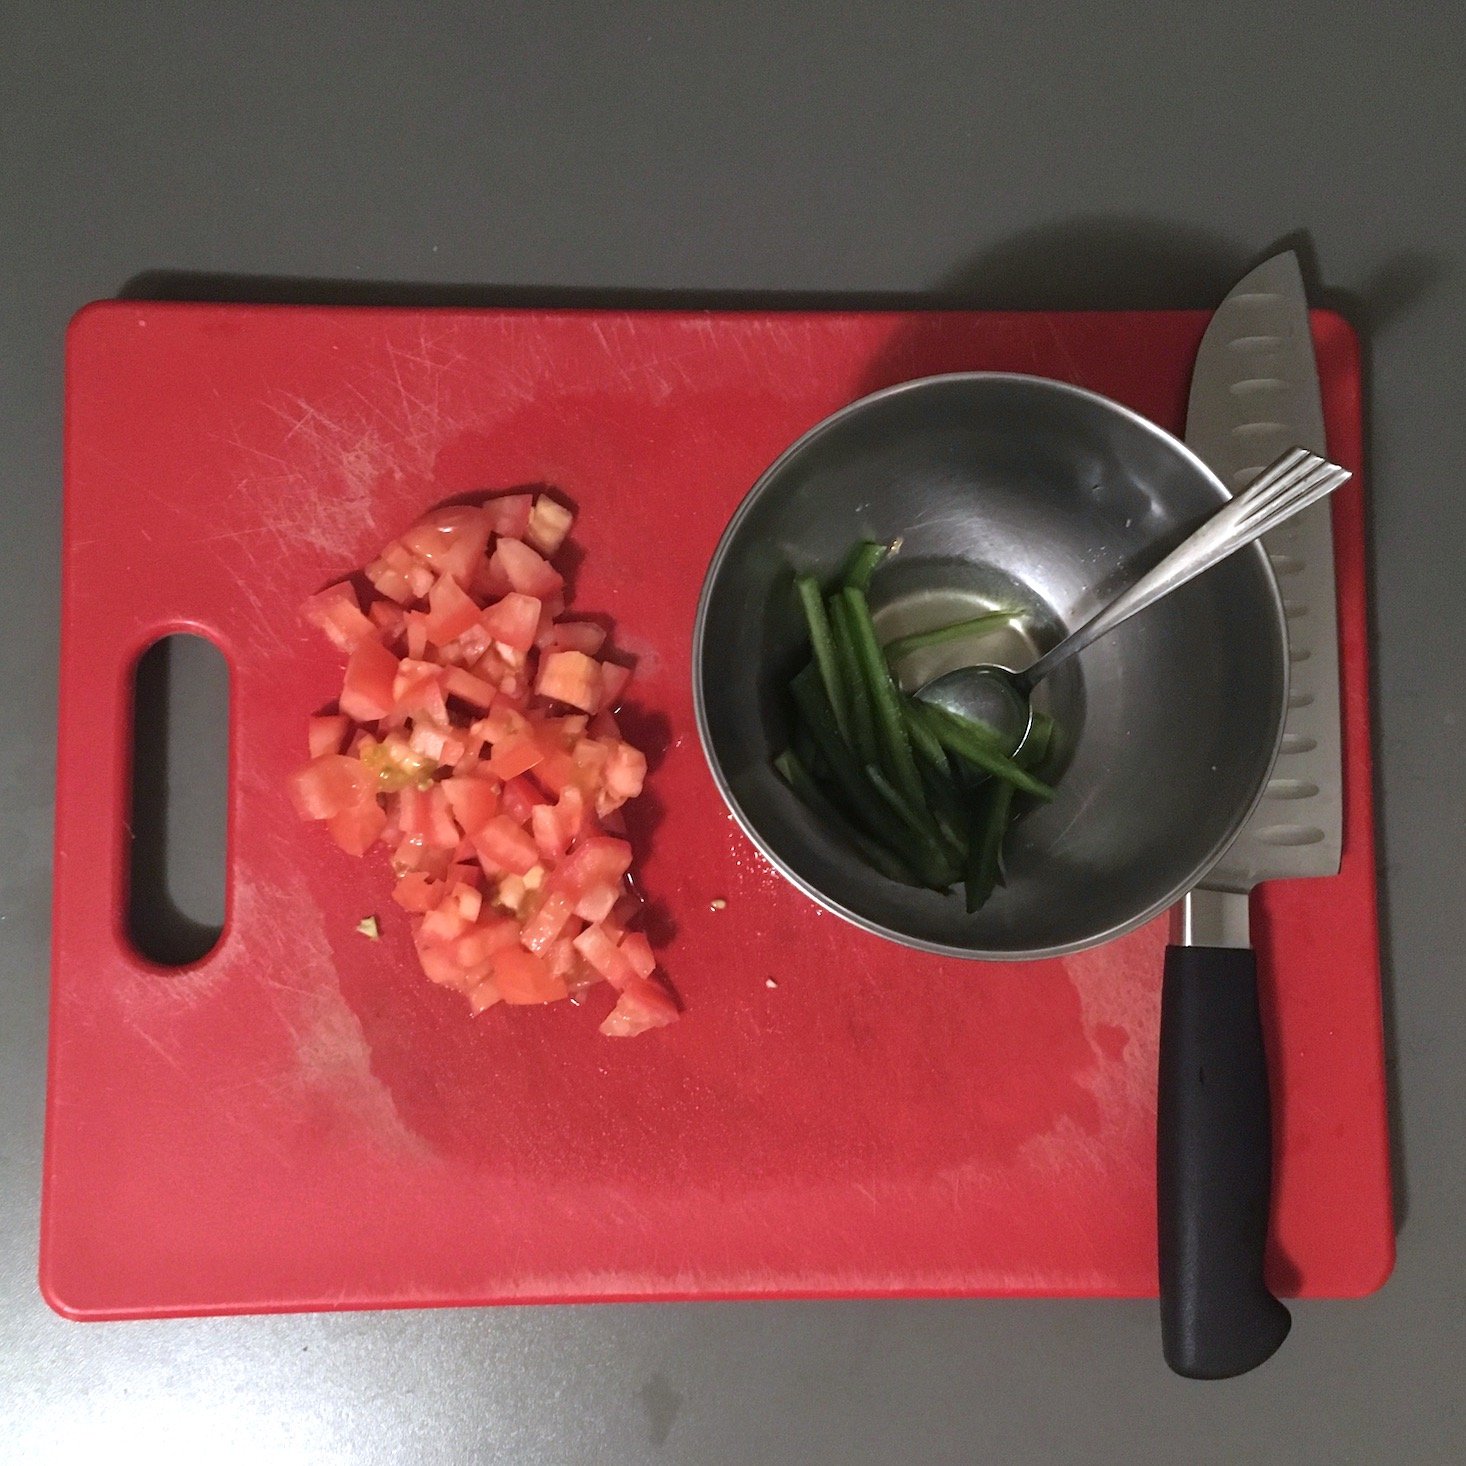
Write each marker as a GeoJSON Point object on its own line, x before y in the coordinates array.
{"type": "Point", "coordinates": [177, 874]}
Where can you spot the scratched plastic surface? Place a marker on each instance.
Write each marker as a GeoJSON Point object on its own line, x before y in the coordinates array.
{"type": "Point", "coordinates": [301, 1121]}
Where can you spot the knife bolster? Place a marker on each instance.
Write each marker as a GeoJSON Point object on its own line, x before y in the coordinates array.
{"type": "Point", "coordinates": [1203, 918]}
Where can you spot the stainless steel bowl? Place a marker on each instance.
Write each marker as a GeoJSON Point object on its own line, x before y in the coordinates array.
{"type": "Point", "coordinates": [1018, 492]}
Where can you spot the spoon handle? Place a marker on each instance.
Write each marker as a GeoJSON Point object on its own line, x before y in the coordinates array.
{"type": "Point", "coordinates": [1295, 481]}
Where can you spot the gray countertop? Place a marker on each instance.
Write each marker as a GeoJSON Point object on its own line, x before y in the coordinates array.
{"type": "Point", "coordinates": [1000, 154]}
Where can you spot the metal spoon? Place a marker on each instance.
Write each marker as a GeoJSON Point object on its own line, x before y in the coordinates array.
{"type": "Point", "coordinates": [1000, 697]}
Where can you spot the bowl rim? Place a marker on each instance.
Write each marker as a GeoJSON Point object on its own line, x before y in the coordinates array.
{"type": "Point", "coordinates": [746, 506]}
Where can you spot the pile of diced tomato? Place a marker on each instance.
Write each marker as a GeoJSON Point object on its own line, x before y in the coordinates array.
{"type": "Point", "coordinates": [476, 738]}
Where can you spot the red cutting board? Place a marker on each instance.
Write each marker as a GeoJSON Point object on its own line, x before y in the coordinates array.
{"type": "Point", "coordinates": [301, 1121]}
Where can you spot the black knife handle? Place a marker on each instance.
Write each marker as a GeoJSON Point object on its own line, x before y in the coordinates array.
{"type": "Point", "coordinates": [1214, 1161]}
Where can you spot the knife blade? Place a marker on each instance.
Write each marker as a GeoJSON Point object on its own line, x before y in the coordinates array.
{"type": "Point", "coordinates": [1254, 394]}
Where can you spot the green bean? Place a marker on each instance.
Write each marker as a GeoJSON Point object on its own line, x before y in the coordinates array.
{"type": "Point", "coordinates": [1032, 756]}
{"type": "Point", "coordinates": [990, 819]}
{"type": "Point", "coordinates": [808, 792]}
{"type": "Point", "coordinates": [936, 864]}
{"type": "Point", "coordinates": [824, 650]}
{"type": "Point", "coordinates": [946, 802]}
{"type": "Point", "coordinates": [865, 804]}
{"type": "Point", "coordinates": [978, 745]}
{"type": "Point", "coordinates": [896, 756]}
{"type": "Point", "coordinates": [903, 646]}
{"type": "Point", "coordinates": [860, 565]}
{"type": "Point", "coordinates": [862, 718]}
{"type": "Point", "coordinates": [920, 794]}
{"type": "Point", "coordinates": [1039, 744]}
{"type": "Point", "coordinates": [923, 740]}
{"type": "Point", "coordinates": [916, 817]}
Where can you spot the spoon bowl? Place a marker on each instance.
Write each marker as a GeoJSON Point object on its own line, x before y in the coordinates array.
{"type": "Point", "coordinates": [986, 694]}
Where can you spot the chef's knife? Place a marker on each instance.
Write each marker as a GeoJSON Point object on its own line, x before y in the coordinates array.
{"type": "Point", "coordinates": [1254, 394]}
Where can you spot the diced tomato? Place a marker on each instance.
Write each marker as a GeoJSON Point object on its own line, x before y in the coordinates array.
{"type": "Point", "coordinates": [470, 646]}
{"type": "Point", "coordinates": [441, 925]}
{"type": "Point", "coordinates": [441, 830]}
{"type": "Point", "coordinates": [614, 679]}
{"type": "Point", "coordinates": [511, 897]}
{"type": "Point", "coordinates": [413, 853]}
{"type": "Point", "coordinates": [489, 581]}
{"type": "Point", "coordinates": [465, 899]}
{"type": "Point", "coordinates": [366, 693]}
{"type": "Point", "coordinates": [575, 636]}
{"type": "Point", "coordinates": [391, 582]}
{"type": "Point", "coordinates": [437, 741]}
{"type": "Point", "coordinates": [526, 570]}
{"type": "Point", "coordinates": [335, 611]}
{"type": "Point", "coordinates": [503, 846]}
{"type": "Point", "coordinates": [555, 825]}
{"type": "Point", "coordinates": [598, 860]}
{"type": "Point", "coordinates": [415, 634]}
{"type": "Point", "coordinates": [420, 578]}
{"type": "Point", "coordinates": [504, 721]}
{"type": "Point", "coordinates": [509, 514]}
{"type": "Point", "coordinates": [493, 667]}
{"type": "Point", "coordinates": [390, 621]}
{"type": "Point", "coordinates": [440, 962]}
{"type": "Point", "coordinates": [515, 756]}
{"type": "Point", "coordinates": [521, 977]}
{"type": "Point", "coordinates": [329, 784]}
{"type": "Point", "coordinates": [451, 611]}
{"type": "Point", "coordinates": [570, 677]}
{"type": "Point", "coordinates": [557, 771]}
{"type": "Point", "coordinates": [627, 908]}
{"type": "Point", "coordinates": [597, 902]}
{"type": "Point", "coordinates": [590, 760]}
{"type": "Point", "coordinates": [400, 558]}
{"type": "Point", "coordinates": [547, 923]}
{"type": "Point", "coordinates": [642, 1005]}
{"type": "Point", "coordinates": [605, 956]}
{"type": "Point", "coordinates": [638, 952]}
{"type": "Point", "coordinates": [412, 813]}
{"type": "Point", "coordinates": [327, 733]}
{"type": "Point", "coordinates": [463, 685]}
{"type": "Point", "coordinates": [485, 995]}
{"type": "Point", "coordinates": [452, 540]}
{"type": "Point", "coordinates": [624, 773]}
{"type": "Point", "coordinates": [566, 963]}
{"type": "Point", "coordinates": [426, 815]}
{"type": "Point", "coordinates": [395, 762]}
{"type": "Point", "coordinates": [418, 688]}
{"type": "Point", "coordinates": [417, 892]}
{"type": "Point", "coordinates": [546, 526]}
{"type": "Point", "coordinates": [483, 939]}
{"type": "Point", "coordinates": [357, 826]}
{"type": "Point", "coordinates": [513, 620]}
{"type": "Point", "coordinates": [544, 825]}
{"type": "Point", "coordinates": [474, 802]}
{"type": "Point", "coordinates": [519, 800]}
{"type": "Point", "coordinates": [567, 731]}
{"type": "Point", "coordinates": [391, 832]}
